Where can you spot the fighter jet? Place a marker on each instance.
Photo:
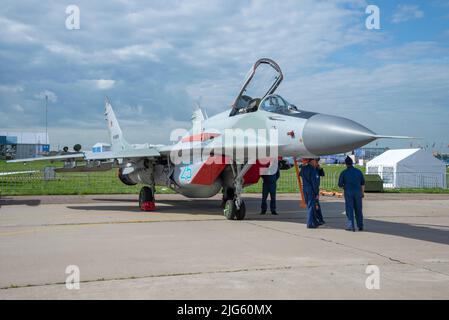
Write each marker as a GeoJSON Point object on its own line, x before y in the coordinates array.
{"type": "Point", "coordinates": [227, 151]}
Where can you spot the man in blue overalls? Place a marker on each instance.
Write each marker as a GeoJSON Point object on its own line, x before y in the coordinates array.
{"type": "Point", "coordinates": [269, 187]}
{"type": "Point", "coordinates": [320, 173]}
{"type": "Point", "coordinates": [353, 183]}
{"type": "Point", "coordinates": [310, 187]}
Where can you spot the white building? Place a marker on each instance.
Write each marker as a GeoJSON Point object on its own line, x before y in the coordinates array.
{"type": "Point", "coordinates": [408, 168]}
{"type": "Point", "coordinates": [101, 147]}
{"type": "Point", "coordinates": [21, 144]}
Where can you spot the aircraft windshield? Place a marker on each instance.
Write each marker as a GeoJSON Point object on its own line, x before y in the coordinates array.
{"type": "Point", "coordinates": [276, 104]}
{"type": "Point", "coordinates": [262, 80]}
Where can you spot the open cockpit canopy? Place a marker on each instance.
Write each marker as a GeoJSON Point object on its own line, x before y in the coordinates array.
{"type": "Point", "coordinates": [262, 80]}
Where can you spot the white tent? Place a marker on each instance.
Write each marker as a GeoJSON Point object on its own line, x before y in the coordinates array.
{"type": "Point", "coordinates": [408, 168]}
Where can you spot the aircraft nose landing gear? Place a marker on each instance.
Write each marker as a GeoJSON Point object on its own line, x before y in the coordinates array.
{"type": "Point", "coordinates": [146, 199]}
{"type": "Point", "coordinates": [235, 207]}
{"type": "Point", "coordinates": [231, 211]}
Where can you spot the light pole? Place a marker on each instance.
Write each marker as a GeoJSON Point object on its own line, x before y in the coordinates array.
{"type": "Point", "coordinates": [46, 119]}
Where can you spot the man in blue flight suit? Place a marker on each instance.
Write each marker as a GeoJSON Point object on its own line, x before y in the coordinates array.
{"type": "Point", "coordinates": [320, 173]}
{"type": "Point", "coordinates": [353, 183]}
{"type": "Point", "coordinates": [269, 187]}
{"type": "Point", "coordinates": [310, 187]}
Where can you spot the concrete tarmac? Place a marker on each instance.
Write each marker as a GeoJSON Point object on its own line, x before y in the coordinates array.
{"type": "Point", "coordinates": [188, 250]}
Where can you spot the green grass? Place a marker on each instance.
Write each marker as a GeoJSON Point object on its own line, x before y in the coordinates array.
{"type": "Point", "coordinates": [103, 182]}
{"type": "Point", "coordinates": [106, 182]}
{"type": "Point", "coordinates": [288, 182]}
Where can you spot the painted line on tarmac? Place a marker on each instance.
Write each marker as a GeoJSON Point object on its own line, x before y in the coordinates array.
{"type": "Point", "coordinates": [60, 226]}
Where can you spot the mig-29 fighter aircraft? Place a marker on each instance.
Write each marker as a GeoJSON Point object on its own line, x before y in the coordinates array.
{"type": "Point", "coordinates": [227, 151]}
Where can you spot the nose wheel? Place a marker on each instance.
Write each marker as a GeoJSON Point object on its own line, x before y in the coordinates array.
{"type": "Point", "coordinates": [231, 211]}
{"type": "Point", "coordinates": [234, 207]}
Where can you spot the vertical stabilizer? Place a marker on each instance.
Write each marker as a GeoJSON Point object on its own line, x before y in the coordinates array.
{"type": "Point", "coordinates": [118, 142]}
{"type": "Point", "coordinates": [198, 116]}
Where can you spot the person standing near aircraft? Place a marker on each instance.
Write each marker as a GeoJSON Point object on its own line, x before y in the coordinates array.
{"type": "Point", "coordinates": [269, 187]}
{"type": "Point", "coordinates": [353, 184]}
{"type": "Point", "coordinates": [310, 186]}
{"type": "Point", "coordinates": [319, 173]}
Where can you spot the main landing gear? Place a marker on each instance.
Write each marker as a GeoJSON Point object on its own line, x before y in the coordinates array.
{"type": "Point", "coordinates": [146, 199]}
{"type": "Point", "coordinates": [234, 206]}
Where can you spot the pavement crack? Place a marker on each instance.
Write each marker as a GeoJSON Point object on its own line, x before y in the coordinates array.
{"type": "Point", "coordinates": [350, 247]}
{"type": "Point", "coordinates": [163, 275]}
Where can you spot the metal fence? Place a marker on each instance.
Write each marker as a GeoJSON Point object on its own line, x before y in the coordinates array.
{"type": "Point", "coordinates": [33, 182]}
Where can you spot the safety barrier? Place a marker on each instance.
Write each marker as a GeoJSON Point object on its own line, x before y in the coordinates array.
{"type": "Point", "coordinates": [35, 182]}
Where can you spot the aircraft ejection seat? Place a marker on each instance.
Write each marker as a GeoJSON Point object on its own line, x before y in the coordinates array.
{"type": "Point", "coordinates": [253, 105]}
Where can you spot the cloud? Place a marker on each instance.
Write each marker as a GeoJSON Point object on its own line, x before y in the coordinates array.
{"type": "Point", "coordinates": [13, 31]}
{"type": "Point", "coordinates": [104, 84]}
{"type": "Point", "coordinates": [406, 12]}
{"type": "Point", "coordinates": [11, 89]}
{"type": "Point", "coordinates": [18, 108]}
{"type": "Point", "coordinates": [52, 97]}
{"type": "Point", "coordinates": [410, 51]}
{"type": "Point", "coordinates": [148, 51]}
{"type": "Point", "coordinates": [132, 111]}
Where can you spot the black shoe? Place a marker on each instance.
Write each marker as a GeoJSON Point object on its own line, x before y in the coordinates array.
{"type": "Point", "coordinates": [361, 229]}
{"type": "Point", "coordinates": [263, 212]}
{"type": "Point", "coordinates": [274, 213]}
{"type": "Point", "coordinates": [312, 227]}
{"type": "Point", "coordinates": [350, 229]}
{"type": "Point", "coordinates": [321, 223]}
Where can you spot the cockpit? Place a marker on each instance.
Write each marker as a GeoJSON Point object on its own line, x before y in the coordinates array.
{"type": "Point", "coordinates": [258, 90]}
{"type": "Point", "coordinates": [261, 81]}
{"type": "Point", "coordinates": [276, 104]}
{"type": "Point", "coordinates": [273, 103]}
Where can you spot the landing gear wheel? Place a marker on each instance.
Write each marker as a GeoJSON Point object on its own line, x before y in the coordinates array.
{"type": "Point", "coordinates": [240, 213]}
{"type": "Point", "coordinates": [146, 199]}
{"type": "Point", "coordinates": [228, 193]}
{"type": "Point", "coordinates": [230, 209]}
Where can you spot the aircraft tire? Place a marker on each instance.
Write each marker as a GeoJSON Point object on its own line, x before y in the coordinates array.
{"type": "Point", "coordinates": [240, 213]}
{"type": "Point", "coordinates": [230, 209]}
{"type": "Point", "coordinates": [228, 193]}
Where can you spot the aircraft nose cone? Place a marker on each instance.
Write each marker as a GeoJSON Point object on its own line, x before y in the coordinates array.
{"type": "Point", "coordinates": [325, 134]}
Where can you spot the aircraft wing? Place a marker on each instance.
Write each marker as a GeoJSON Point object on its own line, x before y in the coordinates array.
{"type": "Point", "coordinates": [88, 155]}
{"type": "Point", "coordinates": [17, 172]}
{"type": "Point", "coordinates": [128, 153]}
{"type": "Point", "coordinates": [51, 158]}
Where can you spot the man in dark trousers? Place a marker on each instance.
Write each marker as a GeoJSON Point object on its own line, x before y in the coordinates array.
{"type": "Point", "coordinates": [353, 183]}
{"type": "Point", "coordinates": [320, 173]}
{"type": "Point", "coordinates": [269, 187]}
{"type": "Point", "coordinates": [310, 187]}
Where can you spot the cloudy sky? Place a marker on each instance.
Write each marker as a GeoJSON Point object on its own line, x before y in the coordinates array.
{"type": "Point", "coordinates": [156, 59]}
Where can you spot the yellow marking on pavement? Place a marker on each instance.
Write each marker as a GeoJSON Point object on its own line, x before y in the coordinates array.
{"type": "Point", "coordinates": [93, 224]}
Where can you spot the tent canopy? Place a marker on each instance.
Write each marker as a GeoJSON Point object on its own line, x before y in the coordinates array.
{"type": "Point", "coordinates": [409, 168]}
{"type": "Point", "coordinates": [391, 157]}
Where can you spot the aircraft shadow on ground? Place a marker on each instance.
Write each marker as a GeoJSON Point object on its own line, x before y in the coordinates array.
{"type": "Point", "coordinates": [289, 212]}
{"type": "Point", "coordinates": [18, 202]}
